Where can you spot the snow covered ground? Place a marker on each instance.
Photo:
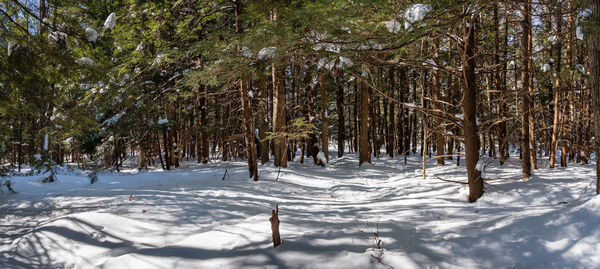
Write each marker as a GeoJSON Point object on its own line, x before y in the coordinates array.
{"type": "Point", "coordinates": [330, 218]}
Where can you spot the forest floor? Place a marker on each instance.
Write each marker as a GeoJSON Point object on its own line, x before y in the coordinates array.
{"type": "Point", "coordinates": [330, 218]}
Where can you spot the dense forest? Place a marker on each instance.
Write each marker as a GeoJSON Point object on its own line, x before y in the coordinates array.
{"type": "Point", "coordinates": [299, 134]}
{"type": "Point", "coordinates": [102, 83]}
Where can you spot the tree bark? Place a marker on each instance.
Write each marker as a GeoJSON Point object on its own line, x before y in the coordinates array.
{"type": "Point", "coordinates": [526, 97]}
{"type": "Point", "coordinates": [557, 92]}
{"type": "Point", "coordinates": [274, 219]}
{"type": "Point", "coordinates": [364, 148]}
{"type": "Point", "coordinates": [279, 115]}
{"type": "Point", "coordinates": [469, 105]}
{"type": "Point", "coordinates": [440, 141]}
{"type": "Point", "coordinates": [501, 89]}
{"type": "Point", "coordinates": [341, 137]}
{"type": "Point", "coordinates": [593, 44]}
{"type": "Point", "coordinates": [249, 130]}
{"type": "Point", "coordinates": [324, 117]}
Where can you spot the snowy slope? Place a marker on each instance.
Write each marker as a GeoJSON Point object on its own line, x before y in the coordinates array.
{"type": "Point", "coordinates": [191, 218]}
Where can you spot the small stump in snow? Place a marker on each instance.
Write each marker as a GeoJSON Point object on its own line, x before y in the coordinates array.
{"type": "Point", "coordinates": [275, 226]}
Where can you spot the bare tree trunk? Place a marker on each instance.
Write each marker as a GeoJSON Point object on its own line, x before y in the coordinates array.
{"type": "Point", "coordinates": [525, 144]}
{"type": "Point", "coordinates": [469, 105]}
{"type": "Point", "coordinates": [341, 137]}
{"type": "Point", "coordinates": [501, 89]}
{"type": "Point", "coordinates": [437, 107]}
{"type": "Point", "coordinates": [249, 130]}
{"type": "Point", "coordinates": [557, 92]}
{"type": "Point", "coordinates": [391, 135]}
{"type": "Point", "coordinates": [263, 122]}
{"type": "Point", "coordinates": [364, 147]}
{"type": "Point", "coordinates": [324, 117]}
{"type": "Point", "coordinates": [279, 115]}
{"type": "Point", "coordinates": [593, 44]}
{"type": "Point", "coordinates": [565, 117]}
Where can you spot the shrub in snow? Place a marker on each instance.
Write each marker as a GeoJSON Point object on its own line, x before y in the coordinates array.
{"type": "Point", "coordinates": [110, 21]}
{"type": "Point", "coordinates": [266, 53]}
{"type": "Point", "coordinates": [91, 34]}
{"type": "Point", "coordinates": [415, 14]}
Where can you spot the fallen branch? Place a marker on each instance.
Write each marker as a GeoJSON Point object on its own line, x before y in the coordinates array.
{"type": "Point", "coordinates": [452, 181]}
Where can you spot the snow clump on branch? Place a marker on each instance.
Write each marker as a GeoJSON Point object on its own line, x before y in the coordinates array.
{"type": "Point", "coordinates": [414, 14]}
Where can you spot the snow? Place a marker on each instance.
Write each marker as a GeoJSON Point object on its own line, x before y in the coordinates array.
{"type": "Point", "coordinates": [393, 26]}
{"type": "Point", "coordinates": [110, 21]}
{"type": "Point", "coordinates": [114, 119]}
{"type": "Point", "coordinates": [322, 158]}
{"type": "Point", "coordinates": [140, 47]}
{"type": "Point", "coordinates": [45, 142]}
{"type": "Point", "coordinates": [85, 61]}
{"type": "Point", "coordinates": [246, 52]}
{"type": "Point", "coordinates": [579, 32]}
{"type": "Point", "coordinates": [10, 47]}
{"type": "Point", "coordinates": [266, 53]}
{"type": "Point", "coordinates": [91, 34]}
{"type": "Point", "coordinates": [330, 218]}
{"type": "Point", "coordinates": [162, 121]}
{"type": "Point", "coordinates": [580, 68]}
{"type": "Point", "coordinates": [414, 14]}
{"type": "Point", "coordinates": [546, 67]}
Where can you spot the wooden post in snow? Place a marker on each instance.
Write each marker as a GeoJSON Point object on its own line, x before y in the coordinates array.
{"type": "Point", "coordinates": [275, 226]}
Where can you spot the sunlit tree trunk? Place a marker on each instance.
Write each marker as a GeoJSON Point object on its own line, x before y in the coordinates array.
{"type": "Point", "coordinates": [469, 105]}
{"type": "Point", "coordinates": [525, 95]}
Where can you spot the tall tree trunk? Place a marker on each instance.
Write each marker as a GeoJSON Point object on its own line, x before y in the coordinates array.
{"type": "Point", "coordinates": [440, 141]}
{"type": "Point", "coordinates": [557, 91]}
{"type": "Point", "coordinates": [167, 148]}
{"type": "Point", "coordinates": [364, 148]}
{"type": "Point", "coordinates": [279, 115]}
{"type": "Point", "coordinates": [593, 44]}
{"type": "Point", "coordinates": [565, 117]}
{"type": "Point", "coordinates": [263, 122]}
{"type": "Point", "coordinates": [340, 110]}
{"type": "Point", "coordinates": [324, 117]}
{"type": "Point", "coordinates": [391, 141]}
{"type": "Point", "coordinates": [526, 97]}
{"type": "Point", "coordinates": [249, 130]}
{"type": "Point", "coordinates": [469, 105]}
{"type": "Point", "coordinates": [501, 90]}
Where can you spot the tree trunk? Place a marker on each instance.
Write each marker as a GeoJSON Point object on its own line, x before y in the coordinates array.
{"type": "Point", "coordinates": [324, 119]}
{"type": "Point", "coordinates": [340, 110]}
{"type": "Point", "coordinates": [593, 44]}
{"type": "Point", "coordinates": [526, 97]}
{"type": "Point", "coordinates": [469, 105]}
{"type": "Point", "coordinates": [501, 89]}
{"type": "Point", "coordinates": [557, 92]}
{"type": "Point", "coordinates": [279, 115]}
{"type": "Point", "coordinates": [249, 130]}
{"type": "Point", "coordinates": [364, 148]}
{"type": "Point", "coordinates": [440, 141]}
{"type": "Point", "coordinates": [391, 135]}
